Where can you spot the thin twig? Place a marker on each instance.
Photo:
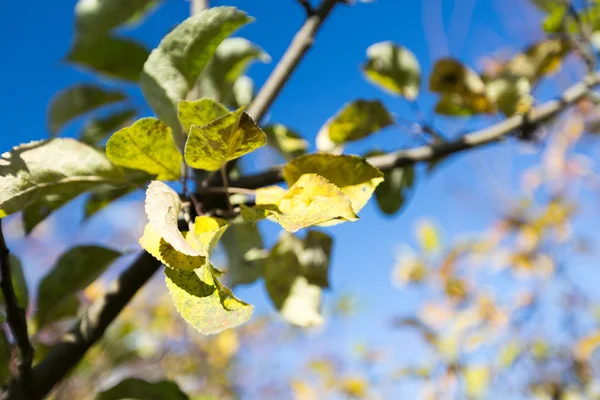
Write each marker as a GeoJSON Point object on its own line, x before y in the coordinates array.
{"type": "Point", "coordinates": [585, 52]}
{"type": "Point", "coordinates": [225, 183]}
{"type": "Point", "coordinates": [17, 321]}
{"type": "Point", "coordinates": [290, 60]}
{"type": "Point", "coordinates": [307, 7]}
{"type": "Point", "coordinates": [230, 190]}
{"type": "Point", "coordinates": [538, 115]}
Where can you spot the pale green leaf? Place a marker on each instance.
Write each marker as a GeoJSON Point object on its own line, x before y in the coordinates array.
{"type": "Point", "coordinates": [162, 208]}
{"type": "Point", "coordinates": [295, 272]}
{"type": "Point", "coordinates": [111, 56]}
{"type": "Point", "coordinates": [173, 68]}
{"type": "Point", "coordinates": [203, 302]}
{"type": "Point", "coordinates": [77, 100]}
{"type": "Point", "coordinates": [289, 143]}
{"type": "Point", "coordinates": [311, 200]}
{"type": "Point", "coordinates": [146, 145]}
{"type": "Point", "coordinates": [393, 68]}
{"type": "Point", "coordinates": [231, 59]}
{"type": "Point", "coordinates": [138, 389]}
{"type": "Point", "coordinates": [243, 91]}
{"type": "Point", "coordinates": [74, 271]}
{"type": "Point", "coordinates": [242, 242]}
{"type": "Point", "coordinates": [98, 129]}
{"type": "Point", "coordinates": [200, 112]}
{"type": "Point", "coordinates": [355, 121]}
{"type": "Point", "coordinates": [352, 174]}
{"type": "Point", "coordinates": [35, 171]}
{"type": "Point", "coordinates": [93, 17]}
{"type": "Point", "coordinates": [228, 137]}
{"type": "Point", "coordinates": [166, 254]}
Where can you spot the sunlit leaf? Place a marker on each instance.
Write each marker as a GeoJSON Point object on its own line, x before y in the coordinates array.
{"type": "Point", "coordinates": [509, 354]}
{"type": "Point", "coordinates": [32, 172]}
{"type": "Point", "coordinates": [355, 387]}
{"type": "Point", "coordinates": [112, 56]}
{"type": "Point", "coordinates": [146, 145]}
{"type": "Point", "coordinates": [242, 243]}
{"type": "Point", "coordinates": [459, 105]}
{"type": "Point", "coordinates": [393, 68]}
{"type": "Point", "coordinates": [228, 137]}
{"type": "Point", "coordinates": [542, 58]}
{"type": "Point", "coordinates": [200, 112]}
{"type": "Point", "coordinates": [77, 100]}
{"type": "Point", "coordinates": [511, 94]}
{"type": "Point", "coordinates": [74, 271]}
{"type": "Point", "coordinates": [586, 346]}
{"type": "Point", "coordinates": [207, 232]}
{"type": "Point", "coordinates": [243, 91]}
{"type": "Point", "coordinates": [232, 58]}
{"type": "Point", "coordinates": [162, 208]}
{"type": "Point", "coordinates": [295, 272]}
{"type": "Point", "coordinates": [173, 68]}
{"type": "Point", "coordinates": [352, 174]}
{"type": "Point", "coordinates": [477, 380]}
{"type": "Point", "coordinates": [98, 129]}
{"type": "Point", "coordinates": [289, 143]}
{"type": "Point", "coordinates": [93, 17]}
{"type": "Point", "coordinates": [164, 252]}
{"type": "Point", "coordinates": [428, 236]}
{"type": "Point", "coordinates": [355, 121]}
{"type": "Point", "coordinates": [138, 389]}
{"type": "Point", "coordinates": [203, 302]}
{"type": "Point", "coordinates": [311, 200]}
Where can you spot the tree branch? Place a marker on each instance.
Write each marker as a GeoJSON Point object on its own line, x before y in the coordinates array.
{"type": "Point", "coordinates": [17, 321]}
{"type": "Point", "coordinates": [290, 60]}
{"type": "Point", "coordinates": [538, 115]}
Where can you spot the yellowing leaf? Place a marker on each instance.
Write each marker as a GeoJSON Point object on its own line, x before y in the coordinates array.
{"type": "Point", "coordinates": [146, 145]}
{"type": "Point", "coordinates": [207, 231]}
{"type": "Point", "coordinates": [394, 68]}
{"type": "Point", "coordinates": [45, 170]}
{"type": "Point", "coordinates": [286, 141]}
{"type": "Point", "coordinates": [203, 302]}
{"type": "Point", "coordinates": [166, 254]}
{"type": "Point", "coordinates": [355, 121]}
{"type": "Point", "coordinates": [231, 136]}
{"type": "Point", "coordinates": [511, 94]}
{"type": "Point", "coordinates": [451, 76]}
{"type": "Point", "coordinates": [311, 200]}
{"type": "Point", "coordinates": [539, 59]}
{"type": "Point", "coordinates": [477, 380]}
{"type": "Point", "coordinates": [352, 174]}
{"type": "Point", "coordinates": [200, 112]}
{"type": "Point", "coordinates": [586, 346]}
{"type": "Point", "coordinates": [355, 387]}
{"type": "Point", "coordinates": [162, 208]}
{"type": "Point", "coordinates": [269, 195]}
{"type": "Point", "coordinates": [428, 236]}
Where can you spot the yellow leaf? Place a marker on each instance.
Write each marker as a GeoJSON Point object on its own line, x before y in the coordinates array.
{"type": "Point", "coordinates": [352, 174]}
{"type": "Point", "coordinates": [477, 381]}
{"type": "Point", "coordinates": [586, 346]}
{"type": "Point", "coordinates": [355, 387]}
{"type": "Point", "coordinates": [200, 112]}
{"type": "Point", "coordinates": [228, 137]}
{"type": "Point", "coordinates": [166, 254]}
{"type": "Point", "coordinates": [206, 233]}
{"type": "Point", "coordinates": [428, 237]}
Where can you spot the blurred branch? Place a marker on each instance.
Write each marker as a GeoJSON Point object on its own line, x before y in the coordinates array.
{"type": "Point", "coordinates": [583, 48]}
{"type": "Point", "coordinates": [290, 60]}
{"type": "Point", "coordinates": [17, 321]}
{"type": "Point", "coordinates": [517, 123]}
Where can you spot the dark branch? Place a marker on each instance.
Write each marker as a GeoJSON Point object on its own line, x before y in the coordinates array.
{"type": "Point", "coordinates": [307, 7]}
{"type": "Point", "coordinates": [538, 115]}
{"type": "Point", "coordinates": [290, 60]}
{"type": "Point", "coordinates": [17, 321]}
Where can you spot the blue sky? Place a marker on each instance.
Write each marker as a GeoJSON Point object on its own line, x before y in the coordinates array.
{"type": "Point", "coordinates": [462, 196]}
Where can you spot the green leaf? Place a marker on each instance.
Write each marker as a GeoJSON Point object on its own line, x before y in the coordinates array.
{"type": "Point", "coordinates": [511, 94]}
{"type": "Point", "coordinates": [228, 137]}
{"type": "Point", "coordinates": [355, 121]}
{"type": "Point", "coordinates": [393, 68]}
{"type": "Point", "coordinates": [164, 252]}
{"type": "Point", "coordinates": [243, 91]}
{"type": "Point", "coordinates": [93, 17]}
{"type": "Point", "coordinates": [138, 389]}
{"type": "Point", "coordinates": [146, 145]}
{"type": "Point", "coordinates": [19, 283]}
{"type": "Point", "coordinates": [352, 174]}
{"type": "Point", "coordinates": [66, 309]}
{"type": "Point", "coordinates": [203, 302]}
{"type": "Point", "coordinates": [231, 59]}
{"type": "Point", "coordinates": [111, 56]}
{"type": "Point", "coordinates": [102, 196]}
{"type": "Point", "coordinates": [77, 100]}
{"type": "Point", "coordinates": [554, 20]}
{"type": "Point", "coordinates": [5, 358]}
{"type": "Point", "coordinates": [311, 200]}
{"type": "Point", "coordinates": [200, 112]}
{"type": "Point", "coordinates": [35, 171]}
{"type": "Point", "coordinates": [392, 193]}
{"type": "Point", "coordinates": [74, 271]}
{"type": "Point", "coordinates": [242, 243]}
{"type": "Point", "coordinates": [286, 141]}
{"type": "Point", "coordinates": [162, 208]}
{"type": "Point", "coordinates": [295, 272]}
{"type": "Point", "coordinates": [98, 129]}
{"type": "Point", "coordinates": [173, 68]}
{"type": "Point", "coordinates": [540, 59]}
